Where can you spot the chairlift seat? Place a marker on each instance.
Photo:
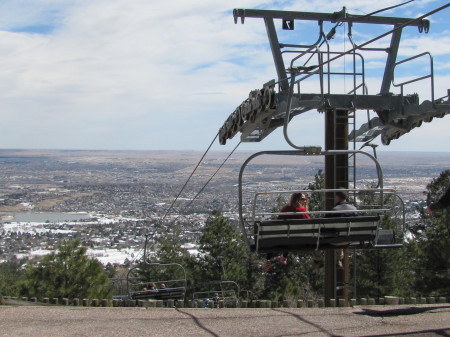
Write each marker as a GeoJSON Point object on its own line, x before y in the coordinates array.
{"type": "Point", "coordinates": [160, 294]}
{"type": "Point", "coordinates": [386, 239]}
{"type": "Point", "coordinates": [227, 296]}
{"type": "Point", "coordinates": [319, 233]}
{"type": "Point", "coordinates": [137, 286]}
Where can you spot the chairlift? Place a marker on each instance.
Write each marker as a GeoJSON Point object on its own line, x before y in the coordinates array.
{"type": "Point", "coordinates": [139, 286]}
{"type": "Point", "coordinates": [326, 229]}
{"type": "Point", "coordinates": [247, 295]}
{"type": "Point", "coordinates": [228, 296]}
{"type": "Point", "coordinates": [118, 286]}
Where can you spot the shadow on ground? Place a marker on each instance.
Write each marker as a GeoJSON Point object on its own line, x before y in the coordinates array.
{"type": "Point", "coordinates": [398, 311]}
{"type": "Point", "coordinates": [423, 333]}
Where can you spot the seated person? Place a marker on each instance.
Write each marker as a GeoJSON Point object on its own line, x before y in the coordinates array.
{"type": "Point", "coordinates": [298, 203]}
{"type": "Point", "coordinates": [216, 300]}
{"type": "Point", "coordinates": [152, 286]}
{"type": "Point", "coordinates": [341, 198]}
{"type": "Point", "coordinates": [162, 286]}
{"type": "Point", "coordinates": [342, 204]}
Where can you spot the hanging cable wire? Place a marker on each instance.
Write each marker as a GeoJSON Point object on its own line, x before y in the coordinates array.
{"type": "Point", "coordinates": [182, 189]}
{"type": "Point", "coordinates": [397, 27]}
{"type": "Point", "coordinates": [386, 9]}
{"type": "Point", "coordinates": [209, 180]}
{"type": "Point", "coordinates": [400, 26]}
{"type": "Point", "coordinates": [137, 255]}
{"type": "Point", "coordinates": [187, 181]}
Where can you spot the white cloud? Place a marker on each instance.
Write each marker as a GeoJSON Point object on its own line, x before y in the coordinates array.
{"type": "Point", "coordinates": [140, 74]}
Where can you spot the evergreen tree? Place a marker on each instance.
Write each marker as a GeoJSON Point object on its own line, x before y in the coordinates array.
{"type": "Point", "coordinates": [431, 244]}
{"type": "Point", "coordinates": [317, 200]}
{"type": "Point", "coordinates": [387, 271]}
{"type": "Point", "coordinates": [66, 273]}
{"type": "Point", "coordinates": [384, 272]}
{"type": "Point", "coordinates": [223, 253]}
{"type": "Point", "coordinates": [9, 276]}
{"type": "Point", "coordinates": [292, 281]}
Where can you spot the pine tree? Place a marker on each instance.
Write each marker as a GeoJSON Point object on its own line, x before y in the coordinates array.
{"type": "Point", "coordinates": [317, 200]}
{"type": "Point", "coordinates": [431, 244]}
{"type": "Point", "coordinates": [9, 276]}
{"type": "Point", "coordinates": [387, 271]}
{"type": "Point", "coordinates": [223, 253]}
{"type": "Point", "coordinates": [66, 273]}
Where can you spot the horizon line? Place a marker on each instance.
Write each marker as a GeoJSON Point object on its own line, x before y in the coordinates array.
{"type": "Point", "coordinates": [190, 150]}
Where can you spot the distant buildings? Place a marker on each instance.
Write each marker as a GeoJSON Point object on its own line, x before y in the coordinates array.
{"type": "Point", "coordinates": [127, 194]}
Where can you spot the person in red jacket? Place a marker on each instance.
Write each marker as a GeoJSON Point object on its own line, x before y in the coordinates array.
{"type": "Point", "coordinates": [297, 204]}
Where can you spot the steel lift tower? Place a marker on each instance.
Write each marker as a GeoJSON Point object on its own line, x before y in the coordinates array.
{"type": "Point", "coordinates": [280, 100]}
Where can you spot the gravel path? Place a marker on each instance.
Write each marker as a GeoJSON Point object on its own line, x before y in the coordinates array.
{"type": "Point", "coordinates": [423, 320]}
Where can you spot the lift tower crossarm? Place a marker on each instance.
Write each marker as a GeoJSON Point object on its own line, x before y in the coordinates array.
{"type": "Point", "coordinates": [278, 101]}
{"type": "Point", "coordinates": [330, 17]}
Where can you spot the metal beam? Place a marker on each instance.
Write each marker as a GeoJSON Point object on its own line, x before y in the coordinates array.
{"type": "Point", "coordinates": [390, 62]}
{"type": "Point", "coordinates": [331, 17]}
{"type": "Point", "coordinates": [394, 110]}
{"type": "Point", "coordinates": [276, 53]}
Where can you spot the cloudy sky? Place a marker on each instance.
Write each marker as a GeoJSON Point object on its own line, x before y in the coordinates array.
{"type": "Point", "coordinates": [149, 75]}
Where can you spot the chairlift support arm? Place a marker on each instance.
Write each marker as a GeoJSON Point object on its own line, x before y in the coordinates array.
{"type": "Point", "coordinates": [341, 16]}
{"type": "Point", "coordinates": [265, 109]}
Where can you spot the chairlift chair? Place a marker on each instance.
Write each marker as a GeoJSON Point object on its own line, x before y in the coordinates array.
{"type": "Point", "coordinates": [139, 287]}
{"type": "Point", "coordinates": [228, 296]}
{"type": "Point", "coordinates": [326, 229]}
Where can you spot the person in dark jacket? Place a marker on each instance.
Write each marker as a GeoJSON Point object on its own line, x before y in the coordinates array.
{"type": "Point", "coordinates": [442, 203]}
{"type": "Point", "coordinates": [345, 210]}
{"type": "Point", "coordinates": [342, 204]}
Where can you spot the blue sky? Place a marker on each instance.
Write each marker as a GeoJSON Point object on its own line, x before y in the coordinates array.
{"type": "Point", "coordinates": [149, 75]}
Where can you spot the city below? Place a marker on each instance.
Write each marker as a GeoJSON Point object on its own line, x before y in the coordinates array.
{"type": "Point", "coordinates": [111, 200]}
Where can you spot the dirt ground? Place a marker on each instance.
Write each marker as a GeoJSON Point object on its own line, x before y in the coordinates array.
{"type": "Point", "coordinates": [421, 320]}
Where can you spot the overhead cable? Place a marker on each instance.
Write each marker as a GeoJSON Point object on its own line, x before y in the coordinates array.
{"type": "Point", "coordinates": [209, 180]}
{"type": "Point", "coordinates": [187, 181]}
{"type": "Point", "coordinates": [385, 9]}
{"type": "Point", "coordinates": [397, 27]}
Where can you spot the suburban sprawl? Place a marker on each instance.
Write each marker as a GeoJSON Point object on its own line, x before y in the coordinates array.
{"type": "Point", "coordinates": [111, 200]}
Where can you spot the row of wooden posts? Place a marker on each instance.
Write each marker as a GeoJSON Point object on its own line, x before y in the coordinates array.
{"type": "Point", "coordinates": [387, 300]}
